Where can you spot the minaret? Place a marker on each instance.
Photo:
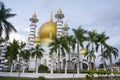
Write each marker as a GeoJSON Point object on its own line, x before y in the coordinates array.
{"type": "Point", "coordinates": [65, 29]}
{"type": "Point", "coordinates": [59, 22]}
{"type": "Point", "coordinates": [33, 26]}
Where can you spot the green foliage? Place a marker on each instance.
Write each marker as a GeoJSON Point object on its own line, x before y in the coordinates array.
{"type": "Point", "coordinates": [103, 72]}
{"type": "Point", "coordinates": [89, 76]}
{"type": "Point", "coordinates": [40, 78]}
{"type": "Point", "coordinates": [115, 72]}
{"type": "Point", "coordinates": [43, 68]}
{"type": "Point", "coordinates": [5, 26]}
{"type": "Point", "coordinates": [90, 71]}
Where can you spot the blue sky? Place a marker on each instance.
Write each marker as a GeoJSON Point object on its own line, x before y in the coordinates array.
{"type": "Point", "coordinates": [102, 15]}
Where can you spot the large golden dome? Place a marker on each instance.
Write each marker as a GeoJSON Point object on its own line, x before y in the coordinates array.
{"type": "Point", "coordinates": [46, 31]}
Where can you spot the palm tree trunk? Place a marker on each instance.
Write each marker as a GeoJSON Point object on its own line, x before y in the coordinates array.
{"type": "Point", "coordinates": [110, 61]}
{"type": "Point", "coordinates": [36, 64]}
{"type": "Point", "coordinates": [69, 63]}
{"type": "Point", "coordinates": [0, 31]}
{"type": "Point", "coordinates": [78, 56]}
{"type": "Point", "coordinates": [93, 56]}
{"type": "Point", "coordinates": [103, 58]}
{"type": "Point", "coordinates": [69, 60]}
{"type": "Point", "coordinates": [59, 65]}
{"type": "Point", "coordinates": [10, 63]}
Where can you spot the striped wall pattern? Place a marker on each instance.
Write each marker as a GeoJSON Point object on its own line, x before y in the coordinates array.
{"type": "Point", "coordinates": [59, 23]}
{"type": "Point", "coordinates": [3, 49]}
{"type": "Point", "coordinates": [32, 34]}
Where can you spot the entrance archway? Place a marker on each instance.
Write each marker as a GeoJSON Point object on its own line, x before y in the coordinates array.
{"type": "Point", "coordinates": [85, 66]}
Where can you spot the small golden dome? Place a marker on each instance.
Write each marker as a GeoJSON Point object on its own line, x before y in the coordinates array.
{"type": "Point", "coordinates": [37, 40]}
{"type": "Point", "coordinates": [59, 11]}
{"type": "Point", "coordinates": [83, 51]}
{"type": "Point", "coordinates": [45, 30]}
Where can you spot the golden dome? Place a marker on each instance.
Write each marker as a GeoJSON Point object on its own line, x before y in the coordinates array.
{"type": "Point", "coordinates": [46, 31]}
{"type": "Point", "coordinates": [37, 40]}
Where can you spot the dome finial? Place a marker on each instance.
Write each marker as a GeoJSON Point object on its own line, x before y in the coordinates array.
{"type": "Point", "coordinates": [59, 11]}
{"type": "Point", "coordinates": [51, 16]}
{"type": "Point", "coordinates": [34, 15]}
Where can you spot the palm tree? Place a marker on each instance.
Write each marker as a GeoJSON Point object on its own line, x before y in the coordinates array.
{"type": "Point", "coordinates": [102, 38]}
{"type": "Point", "coordinates": [92, 44]}
{"type": "Point", "coordinates": [12, 51]}
{"type": "Point", "coordinates": [37, 52]}
{"type": "Point", "coordinates": [59, 46]}
{"type": "Point", "coordinates": [5, 25]}
{"type": "Point", "coordinates": [21, 48]}
{"type": "Point", "coordinates": [80, 37]}
{"type": "Point", "coordinates": [70, 40]}
{"type": "Point", "coordinates": [26, 54]}
{"type": "Point", "coordinates": [109, 51]}
{"type": "Point", "coordinates": [90, 56]}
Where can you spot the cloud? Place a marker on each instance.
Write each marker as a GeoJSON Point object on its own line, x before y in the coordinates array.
{"type": "Point", "coordinates": [17, 37]}
{"type": "Point", "coordinates": [21, 35]}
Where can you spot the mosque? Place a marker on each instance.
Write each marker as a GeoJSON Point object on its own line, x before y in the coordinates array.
{"type": "Point", "coordinates": [43, 36]}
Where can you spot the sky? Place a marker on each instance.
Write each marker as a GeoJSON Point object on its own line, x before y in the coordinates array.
{"type": "Point", "coordinates": [100, 15]}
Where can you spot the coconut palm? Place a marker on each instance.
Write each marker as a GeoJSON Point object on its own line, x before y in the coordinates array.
{"type": "Point", "coordinates": [109, 51]}
{"type": "Point", "coordinates": [92, 44]}
{"type": "Point", "coordinates": [21, 48]}
{"type": "Point", "coordinates": [12, 51]}
{"type": "Point", "coordinates": [80, 37]}
{"type": "Point", "coordinates": [59, 46]}
{"type": "Point", "coordinates": [37, 52]}
{"type": "Point", "coordinates": [5, 25]}
{"type": "Point", "coordinates": [26, 54]}
{"type": "Point", "coordinates": [90, 56]}
{"type": "Point", "coordinates": [102, 38]}
{"type": "Point", "coordinates": [71, 41]}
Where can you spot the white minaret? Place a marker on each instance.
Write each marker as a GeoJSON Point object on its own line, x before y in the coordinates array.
{"type": "Point", "coordinates": [33, 26]}
{"type": "Point", "coordinates": [59, 22]}
{"type": "Point", "coordinates": [65, 29]}
{"type": "Point", "coordinates": [30, 44]}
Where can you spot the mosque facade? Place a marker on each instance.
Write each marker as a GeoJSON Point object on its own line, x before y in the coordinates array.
{"type": "Point", "coordinates": [43, 36]}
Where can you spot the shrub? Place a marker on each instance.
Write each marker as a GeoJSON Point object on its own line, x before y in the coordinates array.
{"type": "Point", "coordinates": [103, 72]}
{"type": "Point", "coordinates": [115, 72]}
{"type": "Point", "coordinates": [89, 76]}
{"type": "Point", "coordinates": [41, 78]}
{"type": "Point", "coordinates": [43, 68]}
{"type": "Point", "coordinates": [90, 71]}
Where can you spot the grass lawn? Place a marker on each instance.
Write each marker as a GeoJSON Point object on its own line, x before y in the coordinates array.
{"type": "Point", "coordinates": [13, 78]}
{"type": "Point", "coordinates": [102, 78]}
